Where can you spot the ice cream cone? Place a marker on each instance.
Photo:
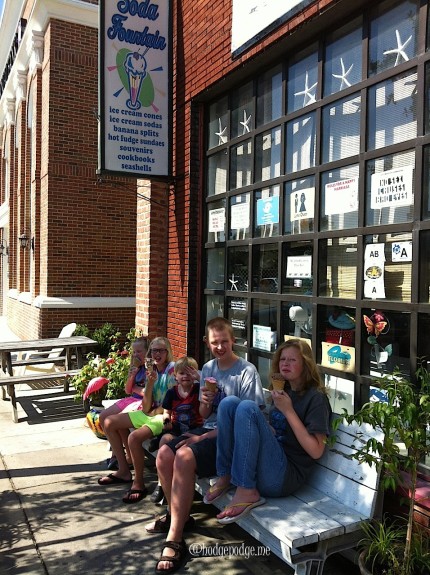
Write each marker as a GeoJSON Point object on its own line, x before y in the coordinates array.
{"type": "Point", "coordinates": [278, 381]}
{"type": "Point", "coordinates": [211, 384]}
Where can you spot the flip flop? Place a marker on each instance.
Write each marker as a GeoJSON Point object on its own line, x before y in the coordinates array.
{"type": "Point", "coordinates": [112, 479]}
{"type": "Point", "coordinates": [218, 490]}
{"type": "Point", "coordinates": [247, 507]}
{"type": "Point", "coordinates": [141, 494]}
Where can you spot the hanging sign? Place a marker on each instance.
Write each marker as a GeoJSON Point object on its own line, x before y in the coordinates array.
{"type": "Point", "coordinates": [401, 252]}
{"type": "Point", "coordinates": [135, 87]}
{"type": "Point", "coordinates": [302, 204]}
{"type": "Point", "coordinates": [268, 211]}
{"type": "Point", "coordinates": [217, 220]}
{"type": "Point", "coordinates": [341, 197]}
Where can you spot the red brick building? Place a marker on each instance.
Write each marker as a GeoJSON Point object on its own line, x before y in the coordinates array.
{"type": "Point", "coordinates": [299, 198]}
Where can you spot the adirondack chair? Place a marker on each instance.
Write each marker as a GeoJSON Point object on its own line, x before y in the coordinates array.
{"type": "Point", "coordinates": [48, 367]}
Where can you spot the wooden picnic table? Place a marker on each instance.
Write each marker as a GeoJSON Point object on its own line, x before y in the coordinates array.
{"type": "Point", "coordinates": [76, 343]}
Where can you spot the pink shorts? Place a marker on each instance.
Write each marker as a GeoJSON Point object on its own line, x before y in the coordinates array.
{"type": "Point", "coordinates": [127, 404]}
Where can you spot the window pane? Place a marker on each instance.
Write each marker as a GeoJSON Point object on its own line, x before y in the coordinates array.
{"type": "Point", "coordinates": [392, 111]}
{"type": "Point", "coordinates": [342, 67]}
{"type": "Point", "coordinates": [393, 35]}
{"type": "Point", "coordinates": [427, 99]}
{"type": "Point", "coordinates": [269, 96]}
{"type": "Point", "coordinates": [264, 314]}
{"type": "Point", "coordinates": [303, 80]}
{"type": "Point", "coordinates": [300, 144]}
{"type": "Point", "coordinates": [336, 338]}
{"type": "Point", "coordinates": [237, 269]}
{"type": "Point", "coordinates": [237, 313]}
{"type": "Point", "coordinates": [214, 306]}
{"type": "Point", "coordinates": [240, 208]}
{"type": "Point", "coordinates": [215, 269]}
{"type": "Point", "coordinates": [297, 268]}
{"type": "Point", "coordinates": [385, 345]}
{"type": "Point", "coordinates": [339, 198]}
{"type": "Point", "coordinates": [217, 174]}
{"type": "Point", "coordinates": [266, 212]}
{"type": "Point", "coordinates": [216, 221]}
{"type": "Point", "coordinates": [242, 119]}
{"type": "Point", "coordinates": [241, 165]}
{"type": "Point", "coordinates": [268, 155]}
{"type": "Point", "coordinates": [341, 129]}
{"type": "Point", "coordinates": [390, 189]}
{"type": "Point", "coordinates": [423, 339]}
{"type": "Point", "coordinates": [388, 267]}
{"type": "Point", "coordinates": [218, 123]}
{"type": "Point", "coordinates": [337, 267]}
{"type": "Point", "coordinates": [299, 204]}
{"type": "Point", "coordinates": [265, 268]}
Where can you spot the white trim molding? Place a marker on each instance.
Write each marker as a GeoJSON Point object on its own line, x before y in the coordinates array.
{"type": "Point", "coordinates": [45, 302]}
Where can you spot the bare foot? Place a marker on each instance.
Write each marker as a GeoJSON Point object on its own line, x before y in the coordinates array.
{"type": "Point", "coordinates": [217, 489]}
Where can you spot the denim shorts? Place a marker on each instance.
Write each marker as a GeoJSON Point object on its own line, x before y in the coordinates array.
{"type": "Point", "coordinates": [204, 451]}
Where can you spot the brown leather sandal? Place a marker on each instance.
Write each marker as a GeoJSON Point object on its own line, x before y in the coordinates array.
{"type": "Point", "coordinates": [177, 560]}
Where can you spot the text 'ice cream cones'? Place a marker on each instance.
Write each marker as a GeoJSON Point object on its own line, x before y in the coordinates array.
{"type": "Point", "coordinates": [211, 384]}
{"type": "Point", "coordinates": [278, 381]}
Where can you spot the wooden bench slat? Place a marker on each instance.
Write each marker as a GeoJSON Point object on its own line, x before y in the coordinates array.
{"type": "Point", "coordinates": [42, 360]}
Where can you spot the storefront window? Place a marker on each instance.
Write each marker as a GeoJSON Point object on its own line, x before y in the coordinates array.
{"type": "Point", "coordinates": [266, 212]}
{"type": "Point", "coordinates": [241, 165]}
{"type": "Point", "coordinates": [425, 268]}
{"type": "Point", "coordinates": [299, 206]}
{"type": "Point", "coordinates": [385, 345]}
{"type": "Point", "coordinates": [237, 269]}
{"type": "Point", "coordinates": [336, 338]}
{"type": "Point", "coordinates": [296, 321]}
{"type": "Point", "coordinates": [392, 111]}
{"type": "Point", "coordinates": [426, 184]}
{"type": "Point", "coordinates": [268, 155]}
{"type": "Point", "coordinates": [217, 174]}
{"type": "Point", "coordinates": [242, 116]}
{"type": "Point", "coordinates": [342, 67]}
{"type": "Point", "coordinates": [297, 268]}
{"type": "Point", "coordinates": [340, 393]}
{"type": "Point", "coordinates": [301, 144]}
{"type": "Point", "coordinates": [237, 313]}
{"type": "Point", "coordinates": [264, 316]}
{"type": "Point", "coordinates": [218, 123]}
{"type": "Point", "coordinates": [393, 35]}
{"type": "Point", "coordinates": [269, 96]}
{"type": "Point", "coordinates": [302, 86]}
{"type": "Point", "coordinates": [388, 266]}
{"type": "Point", "coordinates": [215, 266]}
{"type": "Point", "coordinates": [265, 268]}
{"type": "Point", "coordinates": [390, 189]}
{"type": "Point", "coordinates": [339, 198]}
{"type": "Point", "coordinates": [240, 215]}
{"type": "Point", "coordinates": [216, 221]}
{"type": "Point", "coordinates": [341, 129]}
{"type": "Point", "coordinates": [338, 267]}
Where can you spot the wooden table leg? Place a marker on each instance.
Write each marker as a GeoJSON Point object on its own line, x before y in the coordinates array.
{"type": "Point", "coordinates": [11, 392]}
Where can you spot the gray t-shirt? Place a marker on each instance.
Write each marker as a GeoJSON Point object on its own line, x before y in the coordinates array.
{"type": "Point", "coordinates": [313, 409]}
{"type": "Point", "coordinates": [241, 380]}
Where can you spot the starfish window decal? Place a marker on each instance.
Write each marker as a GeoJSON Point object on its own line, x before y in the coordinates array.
{"type": "Point", "coordinates": [222, 138]}
{"type": "Point", "coordinates": [343, 76]}
{"type": "Point", "coordinates": [233, 283]}
{"type": "Point", "coordinates": [245, 123]}
{"type": "Point", "coordinates": [308, 97]}
{"type": "Point", "coordinates": [400, 50]}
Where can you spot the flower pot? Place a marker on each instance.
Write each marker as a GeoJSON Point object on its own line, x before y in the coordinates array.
{"type": "Point", "coordinates": [361, 564]}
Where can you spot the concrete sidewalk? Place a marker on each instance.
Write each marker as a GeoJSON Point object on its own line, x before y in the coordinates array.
{"type": "Point", "coordinates": [55, 519]}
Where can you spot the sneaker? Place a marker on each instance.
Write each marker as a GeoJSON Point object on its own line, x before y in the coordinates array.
{"type": "Point", "coordinates": [157, 495]}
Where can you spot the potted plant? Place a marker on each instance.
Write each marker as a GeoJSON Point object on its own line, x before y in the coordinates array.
{"type": "Point", "coordinates": [397, 547]}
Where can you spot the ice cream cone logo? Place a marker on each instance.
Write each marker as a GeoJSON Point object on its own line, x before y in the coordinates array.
{"type": "Point", "coordinates": [135, 67]}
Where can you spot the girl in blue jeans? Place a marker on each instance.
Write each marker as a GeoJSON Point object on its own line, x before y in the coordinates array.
{"type": "Point", "coordinates": [272, 458]}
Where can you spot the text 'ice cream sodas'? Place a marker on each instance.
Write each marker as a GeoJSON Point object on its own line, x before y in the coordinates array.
{"type": "Point", "coordinates": [278, 381]}
{"type": "Point", "coordinates": [211, 384]}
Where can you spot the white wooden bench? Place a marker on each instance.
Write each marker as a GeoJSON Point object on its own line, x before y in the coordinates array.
{"type": "Point", "coordinates": [10, 382]}
{"type": "Point", "coordinates": [325, 515]}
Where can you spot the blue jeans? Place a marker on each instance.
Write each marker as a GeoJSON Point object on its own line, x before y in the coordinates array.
{"type": "Point", "coordinates": [247, 449]}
